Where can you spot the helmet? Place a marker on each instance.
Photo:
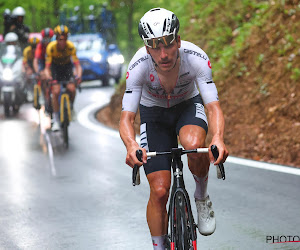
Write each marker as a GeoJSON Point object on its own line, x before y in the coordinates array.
{"type": "Point", "coordinates": [47, 32]}
{"type": "Point", "coordinates": [158, 22]}
{"type": "Point", "coordinates": [11, 37]}
{"type": "Point", "coordinates": [33, 41]}
{"type": "Point", "coordinates": [6, 13]}
{"type": "Point", "coordinates": [61, 30]}
{"type": "Point", "coordinates": [18, 11]}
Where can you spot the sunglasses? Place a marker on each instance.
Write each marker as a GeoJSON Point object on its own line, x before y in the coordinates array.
{"type": "Point", "coordinates": [165, 40]}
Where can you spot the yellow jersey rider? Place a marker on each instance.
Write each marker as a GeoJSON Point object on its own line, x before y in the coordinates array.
{"type": "Point", "coordinates": [28, 55]}
{"type": "Point", "coordinates": [60, 58]}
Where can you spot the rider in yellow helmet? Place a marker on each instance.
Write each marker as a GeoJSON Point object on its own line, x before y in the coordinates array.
{"type": "Point", "coordinates": [60, 59]}
{"type": "Point", "coordinates": [28, 55]}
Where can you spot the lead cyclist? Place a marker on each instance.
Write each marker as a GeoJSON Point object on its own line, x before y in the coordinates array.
{"type": "Point", "coordinates": [162, 81]}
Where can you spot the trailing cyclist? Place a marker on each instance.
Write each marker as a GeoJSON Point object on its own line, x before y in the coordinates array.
{"type": "Point", "coordinates": [60, 58]}
{"type": "Point", "coordinates": [161, 81]}
{"type": "Point", "coordinates": [28, 56]}
{"type": "Point", "coordinates": [39, 61]}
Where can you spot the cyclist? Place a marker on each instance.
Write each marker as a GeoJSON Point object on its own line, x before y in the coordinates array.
{"type": "Point", "coordinates": [161, 81]}
{"type": "Point", "coordinates": [28, 55]}
{"type": "Point", "coordinates": [60, 58]}
{"type": "Point", "coordinates": [40, 52]}
{"type": "Point", "coordinates": [40, 58]}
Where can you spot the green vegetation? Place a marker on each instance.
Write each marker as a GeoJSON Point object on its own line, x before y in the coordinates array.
{"type": "Point", "coordinates": [221, 28]}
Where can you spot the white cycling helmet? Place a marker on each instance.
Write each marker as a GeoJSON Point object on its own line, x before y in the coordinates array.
{"type": "Point", "coordinates": [18, 11]}
{"type": "Point", "coordinates": [158, 22]}
{"type": "Point", "coordinates": [11, 37]}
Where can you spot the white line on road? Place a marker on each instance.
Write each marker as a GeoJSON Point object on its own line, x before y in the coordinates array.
{"type": "Point", "coordinates": [84, 119]}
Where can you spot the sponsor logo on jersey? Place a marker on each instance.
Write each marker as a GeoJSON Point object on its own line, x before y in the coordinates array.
{"type": "Point", "coordinates": [192, 52]}
{"type": "Point", "coordinates": [127, 75]}
{"type": "Point", "coordinates": [138, 62]}
{"type": "Point", "coordinates": [209, 64]}
{"type": "Point", "coordinates": [151, 77]}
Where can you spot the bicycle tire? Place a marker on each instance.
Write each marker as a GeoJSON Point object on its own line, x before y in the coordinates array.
{"type": "Point", "coordinates": [65, 125]}
{"type": "Point", "coordinates": [181, 231]}
{"type": "Point", "coordinates": [185, 228]}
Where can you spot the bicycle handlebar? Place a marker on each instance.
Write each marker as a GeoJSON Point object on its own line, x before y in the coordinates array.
{"type": "Point", "coordinates": [139, 154]}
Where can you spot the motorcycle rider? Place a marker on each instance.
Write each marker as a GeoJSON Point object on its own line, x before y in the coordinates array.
{"type": "Point", "coordinates": [11, 60]}
{"type": "Point", "coordinates": [19, 27]}
{"type": "Point", "coordinates": [7, 21]}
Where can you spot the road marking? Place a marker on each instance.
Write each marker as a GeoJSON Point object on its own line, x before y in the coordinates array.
{"type": "Point", "coordinates": [87, 120]}
{"type": "Point", "coordinates": [84, 118]}
{"type": "Point", "coordinates": [264, 165]}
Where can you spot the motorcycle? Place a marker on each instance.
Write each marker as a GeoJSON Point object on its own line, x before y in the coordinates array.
{"type": "Point", "coordinates": [12, 82]}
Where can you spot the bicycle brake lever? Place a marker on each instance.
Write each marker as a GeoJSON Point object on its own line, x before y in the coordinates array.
{"type": "Point", "coordinates": [136, 180]}
{"type": "Point", "coordinates": [220, 167]}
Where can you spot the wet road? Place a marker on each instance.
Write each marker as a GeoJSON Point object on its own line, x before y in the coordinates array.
{"type": "Point", "coordinates": [82, 198]}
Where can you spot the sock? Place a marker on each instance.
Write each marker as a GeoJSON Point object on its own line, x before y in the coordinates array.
{"type": "Point", "coordinates": [158, 242]}
{"type": "Point", "coordinates": [56, 116]}
{"type": "Point", "coordinates": [201, 187]}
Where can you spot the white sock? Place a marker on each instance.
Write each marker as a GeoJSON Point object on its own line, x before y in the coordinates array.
{"type": "Point", "coordinates": [158, 242]}
{"type": "Point", "coordinates": [201, 187]}
{"type": "Point", "coordinates": [56, 116]}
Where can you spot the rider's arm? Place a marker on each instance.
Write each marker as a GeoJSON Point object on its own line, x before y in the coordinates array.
{"type": "Point", "coordinates": [130, 104]}
{"type": "Point", "coordinates": [216, 126]}
{"type": "Point", "coordinates": [48, 62]}
{"type": "Point", "coordinates": [78, 70]}
{"type": "Point", "coordinates": [127, 134]}
{"type": "Point", "coordinates": [35, 65]}
{"type": "Point", "coordinates": [210, 98]}
{"type": "Point", "coordinates": [75, 60]}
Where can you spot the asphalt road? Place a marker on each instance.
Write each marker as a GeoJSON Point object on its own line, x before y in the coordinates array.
{"type": "Point", "coordinates": [82, 198]}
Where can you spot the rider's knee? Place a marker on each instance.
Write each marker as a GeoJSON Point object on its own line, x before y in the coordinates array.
{"type": "Point", "coordinates": [55, 91]}
{"type": "Point", "coordinates": [195, 143]}
{"type": "Point", "coordinates": [160, 193]}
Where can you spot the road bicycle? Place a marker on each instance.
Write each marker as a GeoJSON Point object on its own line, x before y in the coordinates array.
{"type": "Point", "coordinates": [65, 114]}
{"type": "Point", "coordinates": [182, 227]}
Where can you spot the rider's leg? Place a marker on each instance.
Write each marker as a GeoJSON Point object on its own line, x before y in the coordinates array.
{"type": "Point", "coordinates": [72, 90]}
{"type": "Point", "coordinates": [55, 105]}
{"type": "Point", "coordinates": [157, 216]}
{"type": "Point", "coordinates": [191, 137]}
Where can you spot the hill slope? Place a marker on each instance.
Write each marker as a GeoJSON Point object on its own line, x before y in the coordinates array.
{"type": "Point", "coordinates": [258, 80]}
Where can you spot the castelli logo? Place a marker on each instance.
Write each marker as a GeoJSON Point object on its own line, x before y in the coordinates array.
{"type": "Point", "coordinates": [127, 75]}
{"type": "Point", "coordinates": [151, 77]}
{"type": "Point", "coordinates": [209, 65]}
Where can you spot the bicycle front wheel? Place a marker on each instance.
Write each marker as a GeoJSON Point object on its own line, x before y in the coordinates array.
{"type": "Point", "coordinates": [65, 128]}
{"type": "Point", "coordinates": [184, 227]}
{"type": "Point", "coordinates": [181, 223]}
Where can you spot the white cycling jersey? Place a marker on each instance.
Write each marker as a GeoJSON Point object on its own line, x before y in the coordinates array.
{"type": "Point", "coordinates": [143, 85]}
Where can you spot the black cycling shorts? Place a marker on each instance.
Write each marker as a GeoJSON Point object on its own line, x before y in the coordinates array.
{"type": "Point", "coordinates": [160, 127]}
{"type": "Point", "coordinates": [62, 72]}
